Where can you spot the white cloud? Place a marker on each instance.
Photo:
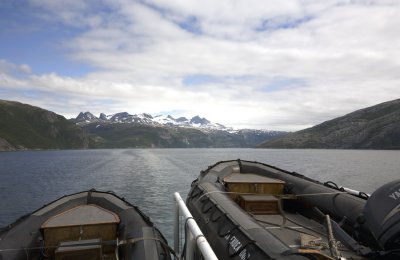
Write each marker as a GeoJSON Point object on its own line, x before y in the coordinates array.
{"type": "Point", "coordinates": [332, 57]}
{"type": "Point", "coordinates": [7, 67]}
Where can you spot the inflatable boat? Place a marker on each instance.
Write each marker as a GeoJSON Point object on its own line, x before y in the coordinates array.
{"type": "Point", "coordinates": [251, 210]}
{"type": "Point", "coordinates": [86, 225]}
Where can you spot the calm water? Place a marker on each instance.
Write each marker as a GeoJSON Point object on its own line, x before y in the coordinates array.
{"type": "Point", "coordinates": [149, 177]}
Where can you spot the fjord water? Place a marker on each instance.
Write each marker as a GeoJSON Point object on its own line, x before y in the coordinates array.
{"type": "Point", "coordinates": [149, 177]}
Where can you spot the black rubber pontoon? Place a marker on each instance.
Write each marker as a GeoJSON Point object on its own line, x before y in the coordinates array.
{"type": "Point", "coordinates": [250, 210]}
{"type": "Point", "coordinates": [83, 218]}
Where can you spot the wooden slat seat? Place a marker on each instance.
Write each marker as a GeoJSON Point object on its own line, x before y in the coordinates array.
{"type": "Point", "coordinates": [80, 223]}
{"type": "Point", "coordinates": [249, 183]}
{"type": "Point", "coordinates": [82, 215]}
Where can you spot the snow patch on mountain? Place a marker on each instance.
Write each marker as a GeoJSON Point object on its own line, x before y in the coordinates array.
{"type": "Point", "coordinates": [197, 122]}
{"type": "Point", "coordinates": [145, 118]}
{"type": "Point", "coordinates": [86, 117]}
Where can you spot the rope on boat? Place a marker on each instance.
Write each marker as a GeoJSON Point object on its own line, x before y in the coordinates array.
{"type": "Point", "coordinates": [331, 239]}
{"type": "Point", "coordinates": [321, 193]}
{"type": "Point", "coordinates": [284, 196]}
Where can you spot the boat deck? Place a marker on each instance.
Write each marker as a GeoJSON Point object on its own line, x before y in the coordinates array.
{"type": "Point", "coordinates": [299, 232]}
{"type": "Point", "coordinates": [289, 226]}
{"type": "Point", "coordinates": [264, 199]}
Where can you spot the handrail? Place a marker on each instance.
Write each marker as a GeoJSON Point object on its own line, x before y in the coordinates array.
{"type": "Point", "coordinates": [193, 236]}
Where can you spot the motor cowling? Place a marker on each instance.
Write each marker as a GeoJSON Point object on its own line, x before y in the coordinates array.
{"type": "Point", "coordinates": [382, 215]}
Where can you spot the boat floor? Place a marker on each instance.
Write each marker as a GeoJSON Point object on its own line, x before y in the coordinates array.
{"type": "Point", "coordinates": [109, 257]}
{"type": "Point", "coordinates": [299, 232]}
{"type": "Point", "coordinates": [103, 257]}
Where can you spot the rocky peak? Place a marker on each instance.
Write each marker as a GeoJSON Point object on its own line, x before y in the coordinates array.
{"type": "Point", "coordinates": [145, 115]}
{"type": "Point", "coordinates": [121, 117]}
{"type": "Point", "coordinates": [199, 121]}
{"type": "Point", "coordinates": [182, 119]}
{"type": "Point", "coordinates": [86, 116]}
{"type": "Point", "coordinates": [103, 116]}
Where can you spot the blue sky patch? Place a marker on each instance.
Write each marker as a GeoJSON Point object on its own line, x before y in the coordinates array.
{"type": "Point", "coordinates": [26, 39]}
{"type": "Point", "coordinates": [282, 23]}
{"type": "Point", "coordinates": [199, 79]}
{"type": "Point", "coordinates": [191, 24]}
{"type": "Point", "coordinates": [282, 83]}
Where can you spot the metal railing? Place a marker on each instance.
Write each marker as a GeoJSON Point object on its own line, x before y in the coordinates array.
{"type": "Point", "coordinates": [193, 235]}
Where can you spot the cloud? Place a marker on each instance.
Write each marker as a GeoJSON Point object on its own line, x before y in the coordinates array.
{"type": "Point", "coordinates": [7, 67]}
{"type": "Point", "coordinates": [283, 65]}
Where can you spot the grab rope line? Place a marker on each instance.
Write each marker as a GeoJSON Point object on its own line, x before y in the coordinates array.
{"type": "Point", "coordinates": [331, 239]}
{"type": "Point", "coordinates": [322, 193]}
{"type": "Point", "coordinates": [285, 196]}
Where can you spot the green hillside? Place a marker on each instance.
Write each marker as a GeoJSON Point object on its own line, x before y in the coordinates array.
{"type": "Point", "coordinates": [376, 127]}
{"type": "Point", "coordinates": [27, 127]}
{"type": "Point", "coordinates": [119, 135]}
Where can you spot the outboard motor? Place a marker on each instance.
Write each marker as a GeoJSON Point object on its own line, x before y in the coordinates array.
{"type": "Point", "coordinates": [382, 215]}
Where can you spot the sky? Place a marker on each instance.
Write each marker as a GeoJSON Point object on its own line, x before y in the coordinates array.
{"type": "Point", "coordinates": [261, 64]}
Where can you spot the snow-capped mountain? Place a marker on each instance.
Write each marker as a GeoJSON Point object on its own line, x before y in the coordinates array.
{"type": "Point", "coordinates": [124, 130]}
{"type": "Point", "coordinates": [195, 122]}
{"type": "Point", "coordinates": [125, 117]}
{"type": "Point", "coordinates": [144, 118]}
{"type": "Point", "coordinates": [85, 117]}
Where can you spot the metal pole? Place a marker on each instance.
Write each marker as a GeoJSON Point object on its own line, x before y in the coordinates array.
{"type": "Point", "coordinates": [202, 244]}
{"type": "Point", "coordinates": [354, 192]}
{"type": "Point", "coordinates": [176, 229]}
{"type": "Point", "coordinates": [189, 246]}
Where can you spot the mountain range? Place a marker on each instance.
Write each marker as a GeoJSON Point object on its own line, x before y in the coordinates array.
{"type": "Point", "coordinates": [124, 130]}
{"type": "Point", "coordinates": [160, 120]}
{"type": "Point", "coordinates": [375, 127]}
{"type": "Point", "coordinates": [23, 126]}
